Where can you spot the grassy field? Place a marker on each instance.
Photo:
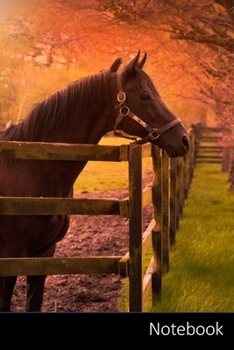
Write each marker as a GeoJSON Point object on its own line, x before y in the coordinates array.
{"type": "Point", "coordinates": [106, 176]}
{"type": "Point", "coordinates": [201, 276]}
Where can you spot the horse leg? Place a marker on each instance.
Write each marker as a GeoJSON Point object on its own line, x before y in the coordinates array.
{"type": "Point", "coordinates": [35, 289]}
{"type": "Point", "coordinates": [35, 286]}
{"type": "Point", "coordinates": [6, 289]}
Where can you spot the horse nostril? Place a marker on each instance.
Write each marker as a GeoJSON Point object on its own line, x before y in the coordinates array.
{"type": "Point", "coordinates": [185, 142]}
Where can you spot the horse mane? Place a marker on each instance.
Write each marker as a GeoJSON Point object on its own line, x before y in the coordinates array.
{"type": "Point", "coordinates": [57, 110]}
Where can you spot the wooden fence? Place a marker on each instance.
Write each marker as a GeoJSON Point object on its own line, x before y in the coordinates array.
{"type": "Point", "coordinates": [168, 192]}
{"type": "Point", "coordinates": [210, 149]}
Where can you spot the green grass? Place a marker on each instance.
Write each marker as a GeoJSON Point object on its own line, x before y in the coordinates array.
{"type": "Point", "coordinates": [106, 176]}
{"type": "Point", "coordinates": [201, 276]}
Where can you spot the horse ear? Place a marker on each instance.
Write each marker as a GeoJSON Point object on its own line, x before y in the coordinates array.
{"type": "Point", "coordinates": [131, 66]}
{"type": "Point", "coordinates": [141, 64]}
{"type": "Point", "coordinates": [115, 65]}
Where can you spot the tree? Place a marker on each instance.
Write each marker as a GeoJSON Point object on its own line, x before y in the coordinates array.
{"type": "Point", "coordinates": [207, 27]}
{"type": "Point", "coordinates": [183, 38]}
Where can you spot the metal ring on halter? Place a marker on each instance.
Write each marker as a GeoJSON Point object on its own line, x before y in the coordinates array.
{"type": "Point", "coordinates": [121, 96]}
{"type": "Point", "coordinates": [121, 111]}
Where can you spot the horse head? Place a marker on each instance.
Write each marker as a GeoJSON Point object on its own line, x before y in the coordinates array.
{"type": "Point", "coordinates": [142, 113]}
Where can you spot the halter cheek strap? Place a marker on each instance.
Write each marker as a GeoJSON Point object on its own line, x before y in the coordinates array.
{"type": "Point", "coordinates": [124, 111]}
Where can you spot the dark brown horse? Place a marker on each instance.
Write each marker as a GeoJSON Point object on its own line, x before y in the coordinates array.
{"type": "Point", "coordinates": [124, 100]}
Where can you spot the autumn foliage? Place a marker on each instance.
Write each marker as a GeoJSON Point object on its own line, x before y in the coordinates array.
{"type": "Point", "coordinates": [47, 44]}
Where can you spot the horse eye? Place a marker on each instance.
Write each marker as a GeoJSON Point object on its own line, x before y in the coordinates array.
{"type": "Point", "coordinates": [144, 97]}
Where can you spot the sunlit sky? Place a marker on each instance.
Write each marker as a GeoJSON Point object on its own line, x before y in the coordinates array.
{"type": "Point", "coordinates": [7, 8]}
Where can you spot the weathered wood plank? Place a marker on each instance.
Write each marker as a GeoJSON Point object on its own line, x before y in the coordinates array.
{"type": "Point", "coordinates": [157, 185]}
{"type": "Point", "coordinates": [147, 150]}
{"type": "Point", "coordinates": [124, 203]}
{"type": "Point", "coordinates": [204, 128]}
{"type": "Point", "coordinates": [147, 281]}
{"type": "Point", "coordinates": [59, 266]}
{"type": "Point", "coordinates": [173, 201]}
{"type": "Point", "coordinates": [147, 237]}
{"type": "Point", "coordinates": [166, 213]}
{"type": "Point", "coordinates": [62, 206]}
{"type": "Point", "coordinates": [124, 266]}
{"type": "Point", "coordinates": [208, 156]}
{"type": "Point", "coordinates": [157, 273]}
{"type": "Point", "coordinates": [146, 195]}
{"type": "Point", "coordinates": [124, 208]}
{"type": "Point", "coordinates": [62, 151]}
{"type": "Point", "coordinates": [135, 227]}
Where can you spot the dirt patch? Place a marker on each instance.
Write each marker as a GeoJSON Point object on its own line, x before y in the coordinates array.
{"type": "Point", "coordinates": [87, 236]}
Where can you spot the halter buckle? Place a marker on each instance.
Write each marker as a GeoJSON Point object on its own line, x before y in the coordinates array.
{"type": "Point", "coordinates": [156, 132]}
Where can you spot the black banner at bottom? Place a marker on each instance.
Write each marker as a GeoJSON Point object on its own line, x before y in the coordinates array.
{"type": "Point", "coordinates": [111, 329]}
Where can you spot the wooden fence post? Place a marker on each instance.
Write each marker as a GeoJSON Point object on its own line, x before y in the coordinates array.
{"type": "Point", "coordinates": [156, 233]}
{"type": "Point", "coordinates": [192, 158]}
{"type": "Point", "coordinates": [173, 201]}
{"type": "Point", "coordinates": [165, 212]}
{"type": "Point", "coordinates": [179, 190]}
{"type": "Point", "coordinates": [135, 228]}
{"type": "Point", "coordinates": [186, 175]}
{"type": "Point", "coordinates": [227, 156]}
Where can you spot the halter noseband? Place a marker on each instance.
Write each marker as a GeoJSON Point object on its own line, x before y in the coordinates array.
{"type": "Point", "coordinates": [124, 111]}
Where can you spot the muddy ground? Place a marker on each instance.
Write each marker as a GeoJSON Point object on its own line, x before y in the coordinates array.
{"type": "Point", "coordinates": [87, 236]}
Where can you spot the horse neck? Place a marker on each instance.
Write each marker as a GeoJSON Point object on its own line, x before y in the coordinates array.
{"type": "Point", "coordinates": [94, 126]}
{"type": "Point", "coordinates": [88, 129]}
{"type": "Point", "coordinates": [88, 125]}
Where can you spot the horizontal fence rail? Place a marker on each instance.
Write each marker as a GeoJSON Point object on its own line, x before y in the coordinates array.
{"type": "Point", "coordinates": [67, 152]}
{"type": "Point", "coordinates": [61, 266]}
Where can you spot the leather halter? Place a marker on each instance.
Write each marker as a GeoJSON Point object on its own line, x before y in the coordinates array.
{"type": "Point", "coordinates": [124, 111]}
